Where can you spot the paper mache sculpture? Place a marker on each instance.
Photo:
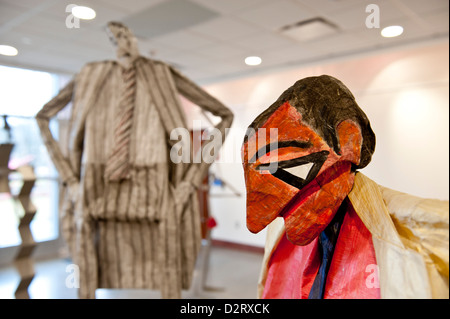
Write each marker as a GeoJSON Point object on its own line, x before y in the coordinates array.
{"type": "Point", "coordinates": [333, 232]}
{"type": "Point", "coordinates": [130, 214]}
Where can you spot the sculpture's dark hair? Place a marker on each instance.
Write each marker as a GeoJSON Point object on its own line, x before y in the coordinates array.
{"type": "Point", "coordinates": [324, 102]}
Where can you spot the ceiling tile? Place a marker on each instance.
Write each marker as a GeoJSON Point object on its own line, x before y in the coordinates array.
{"type": "Point", "coordinates": [215, 75]}
{"type": "Point", "coordinates": [275, 15]}
{"type": "Point", "coordinates": [196, 72]}
{"type": "Point", "coordinates": [9, 12]}
{"type": "Point", "coordinates": [26, 4]}
{"type": "Point", "coordinates": [41, 61]}
{"type": "Point", "coordinates": [97, 39]}
{"type": "Point", "coordinates": [346, 42]}
{"type": "Point", "coordinates": [333, 6]}
{"type": "Point", "coordinates": [186, 59]}
{"type": "Point", "coordinates": [25, 43]}
{"type": "Point", "coordinates": [168, 16]}
{"type": "Point", "coordinates": [184, 40]}
{"type": "Point", "coordinates": [157, 50]}
{"type": "Point", "coordinates": [263, 40]}
{"type": "Point", "coordinates": [129, 6]}
{"type": "Point", "coordinates": [225, 28]}
{"type": "Point", "coordinates": [223, 51]}
{"type": "Point", "coordinates": [424, 7]}
{"type": "Point", "coordinates": [39, 8]}
{"type": "Point", "coordinates": [289, 53]}
{"type": "Point", "coordinates": [230, 6]}
{"type": "Point", "coordinates": [46, 26]}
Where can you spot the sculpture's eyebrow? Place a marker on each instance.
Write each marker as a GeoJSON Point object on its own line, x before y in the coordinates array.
{"type": "Point", "coordinates": [276, 145]}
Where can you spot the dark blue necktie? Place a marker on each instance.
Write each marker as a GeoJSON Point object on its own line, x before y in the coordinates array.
{"type": "Point", "coordinates": [327, 241]}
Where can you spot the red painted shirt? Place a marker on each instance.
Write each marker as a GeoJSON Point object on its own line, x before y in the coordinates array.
{"type": "Point", "coordinates": [352, 275]}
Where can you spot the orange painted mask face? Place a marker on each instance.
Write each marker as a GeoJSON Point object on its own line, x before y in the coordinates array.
{"type": "Point", "coordinates": [295, 174]}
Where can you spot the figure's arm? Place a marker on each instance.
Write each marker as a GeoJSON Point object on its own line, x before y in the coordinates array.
{"type": "Point", "coordinates": [200, 97]}
{"type": "Point", "coordinates": [43, 117]}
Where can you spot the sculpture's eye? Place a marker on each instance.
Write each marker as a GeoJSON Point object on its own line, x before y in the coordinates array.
{"type": "Point", "coordinates": [301, 171]}
{"type": "Point", "coordinates": [298, 171]}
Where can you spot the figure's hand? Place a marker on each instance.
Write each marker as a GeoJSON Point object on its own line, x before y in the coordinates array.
{"type": "Point", "coordinates": [73, 188]}
{"type": "Point", "coordinates": [183, 191]}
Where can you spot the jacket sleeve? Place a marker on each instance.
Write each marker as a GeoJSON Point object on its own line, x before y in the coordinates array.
{"type": "Point", "coordinates": [43, 118]}
{"type": "Point", "coordinates": [205, 101]}
{"type": "Point", "coordinates": [423, 226]}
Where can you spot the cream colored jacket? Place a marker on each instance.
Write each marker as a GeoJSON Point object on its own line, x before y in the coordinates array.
{"type": "Point", "coordinates": [410, 238]}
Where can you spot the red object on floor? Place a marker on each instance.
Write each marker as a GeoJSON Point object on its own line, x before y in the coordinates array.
{"type": "Point", "coordinates": [211, 222]}
{"type": "Point", "coordinates": [352, 274]}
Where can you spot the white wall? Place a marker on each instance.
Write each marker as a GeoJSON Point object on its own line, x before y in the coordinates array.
{"type": "Point", "coordinates": [404, 93]}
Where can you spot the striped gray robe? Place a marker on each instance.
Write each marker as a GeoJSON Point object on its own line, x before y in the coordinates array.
{"type": "Point", "coordinates": [138, 233]}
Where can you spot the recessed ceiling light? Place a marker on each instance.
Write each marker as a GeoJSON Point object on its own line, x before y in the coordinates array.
{"type": "Point", "coordinates": [84, 13]}
{"type": "Point", "coordinates": [253, 60]}
{"type": "Point", "coordinates": [392, 31]}
{"type": "Point", "coordinates": [8, 50]}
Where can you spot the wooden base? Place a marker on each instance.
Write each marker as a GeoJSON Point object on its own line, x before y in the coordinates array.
{"type": "Point", "coordinates": [23, 261]}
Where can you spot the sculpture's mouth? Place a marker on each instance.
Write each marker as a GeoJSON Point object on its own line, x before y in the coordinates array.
{"type": "Point", "coordinates": [328, 176]}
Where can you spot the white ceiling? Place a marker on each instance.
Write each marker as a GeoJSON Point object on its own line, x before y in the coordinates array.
{"type": "Point", "coordinates": [209, 39]}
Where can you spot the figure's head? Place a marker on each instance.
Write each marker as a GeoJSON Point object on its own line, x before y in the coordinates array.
{"type": "Point", "coordinates": [323, 137]}
{"type": "Point", "coordinates": [124, 41]}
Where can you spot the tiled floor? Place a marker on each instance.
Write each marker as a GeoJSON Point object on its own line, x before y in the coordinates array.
{"type": "Point", "coordinates": [232, 274]}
